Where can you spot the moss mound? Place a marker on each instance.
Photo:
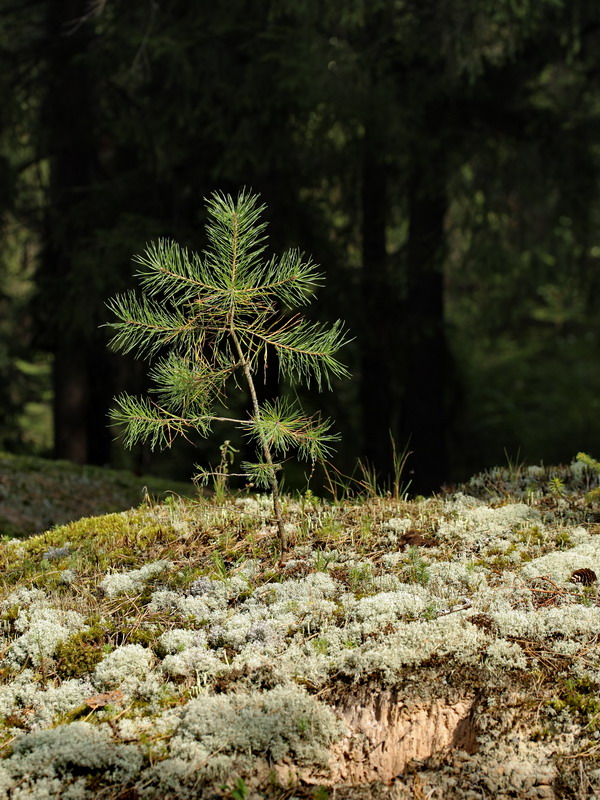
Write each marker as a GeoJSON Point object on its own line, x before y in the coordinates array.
{"type": "Point", "coordinates": [37, 493]}
{"type": "Point", "coordinates": [446, 647]}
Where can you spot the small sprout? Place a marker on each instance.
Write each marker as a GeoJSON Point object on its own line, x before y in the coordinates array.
{"type": "Point", "coordinates": [322, 560]}
{"type": "Point", "coordinates": [593, 466]}
{"type": "Point", "coordinates": [556, 486]}
{"type": "Point", "coordinates": [360, 577]}
{"type": "Point", "coordinates": [228, 453]}
{"type": "Point", "coordinates": [589, 462]}
{"type": "Point", "coordinates": [219, 565]}
{"type": "Point", "coordinates": [563, 540]}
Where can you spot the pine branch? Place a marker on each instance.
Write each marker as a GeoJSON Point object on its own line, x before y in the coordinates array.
{"type": "Point", "coordinates": [171, 274]}
{"type": "Point", "coordinates": [236, 236]}
{"type": "Point", "coordinates": [306, 350]}
{"type": "Point", "coordinates": [288, 279]}
{"type": "Point", "coordinates": [284, 426]}
{"type": "Point", "coordinates": [260, 472]}
{"type": "Point", "coordinates": [145, 421]}
{"type": "Point", "coordinates": [188, 384]}
{"type": "Point", "coordinates": [145, 326]}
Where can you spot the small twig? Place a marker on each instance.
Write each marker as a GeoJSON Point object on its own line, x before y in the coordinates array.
{"type": "Point", "coordinates": [447, 611]}
{"type": "Point", "coordinates": [556, 589]}
{"type": "Point", "coordinates": [583, 753]}
{"type": "Point", "coordinates": [7, 742]}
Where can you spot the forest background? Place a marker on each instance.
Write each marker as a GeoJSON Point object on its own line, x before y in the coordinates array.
{"type": "Point", "coordinates": [438, 159]}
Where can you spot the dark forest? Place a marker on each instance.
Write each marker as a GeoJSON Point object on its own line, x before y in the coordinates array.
{"type": "Point", "coordinates": [438, 160]}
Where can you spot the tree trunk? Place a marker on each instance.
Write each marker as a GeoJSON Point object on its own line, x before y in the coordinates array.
{"type": "Point", "coordinates": [70, 401]}
{"type": "Point", "coordinates": [68, 132]}
{"type": "Point", "coordinates": [424, 411]}
{"type": "Point", "coordinates": [101, 371]}
{"type": "Point", "coordinates": [377, 351]}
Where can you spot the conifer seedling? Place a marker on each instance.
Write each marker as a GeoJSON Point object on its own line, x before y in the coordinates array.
{"type": "Point", "coordinates": [209, 321]}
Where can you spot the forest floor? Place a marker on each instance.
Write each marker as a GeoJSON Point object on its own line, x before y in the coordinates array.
{"type": "Point", "coordinates": [447, 647]}
{"type": "Point", "coordinates": [36, 493]}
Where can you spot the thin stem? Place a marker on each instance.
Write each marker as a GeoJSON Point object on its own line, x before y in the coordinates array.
{"type": "Point", "coordinates": [265, 445]}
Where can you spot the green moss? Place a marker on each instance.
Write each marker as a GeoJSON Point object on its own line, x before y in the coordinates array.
{"type": "Point", "coordinates": [41, 493]}
{"type": "Point", "coordinates": [118, 631]}
{"type": "Point", "coordinates": [144, 636]}
{"type": "Point", "coordinates": [80, 653]}
{"type": "Point", "coordinates": [182, 578]}
{"type": "Point", "coordinates": [543, 734]}
{"type": "Point", "coordinates": [321, 646]}
{"type": "Point", "coordinates": [7, 620]}
{"type": "Point", "coordinates": [563, 540]}
{"type": "Point", "coordinates": [97, 544]}
{"type": "Point", "coordinates": [332, 529]}
{"type": "Point", "coordinates": [416, 570]}
{"type": "Point", "coordinates": [530, 535]}
{"type": "Point", "coordinates": [579, 696]}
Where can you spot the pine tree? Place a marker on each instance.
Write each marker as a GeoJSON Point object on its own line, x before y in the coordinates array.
{"type": "Point", "coordinates": [206, 321]}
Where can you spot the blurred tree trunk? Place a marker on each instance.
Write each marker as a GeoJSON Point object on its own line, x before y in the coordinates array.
{"type": "Point", "coordinates": [102, 371]}
{"type": "Point", "coordinates": [68, 132]}
{"type": "Point", "coordinates": [424, 422]}
{"type": "Point", "coordinates": [376, 356]}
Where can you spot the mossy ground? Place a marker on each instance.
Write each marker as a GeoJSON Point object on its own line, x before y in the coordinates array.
{"type": "Point", "coordinates": [373, 550]}
{"type": "Point", "coordinates": [36, 493]}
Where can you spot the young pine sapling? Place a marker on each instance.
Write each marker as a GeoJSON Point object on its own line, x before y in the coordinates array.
{"type": "Point", "coordinates": [210, 320]}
